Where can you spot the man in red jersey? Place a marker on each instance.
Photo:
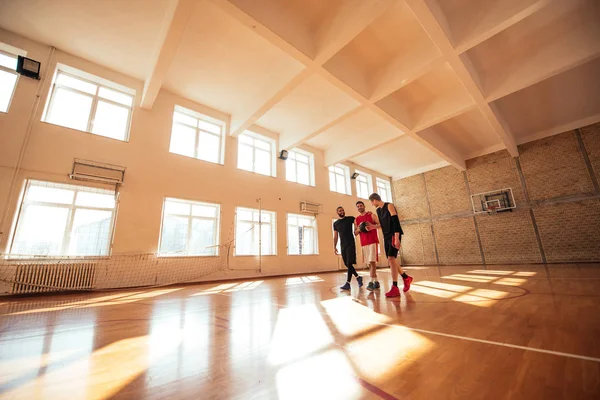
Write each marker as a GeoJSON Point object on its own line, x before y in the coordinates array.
{"type": "Point", "coordinates": [369, 242]}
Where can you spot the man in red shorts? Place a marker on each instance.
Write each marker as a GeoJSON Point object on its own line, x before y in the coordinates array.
{"type": "Point", "coordinates": [369, 242]}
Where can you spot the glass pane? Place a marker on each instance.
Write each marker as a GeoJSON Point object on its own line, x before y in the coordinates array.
{"type": "Point", "coordinates": [245, 139]}
{"type": "Point", "coordinates": [204, 211]}
{"type": "Point", "coordinates": [261, 144]}
{"type": "Point", "coordinates": [332, 181]}
{"type": "Point", "coordinates": [302, 158]}
{"type": "Point", "coordinates": [119, 97]}
{"type": "Point", "coordinates": [75, 83]}
{"type": "Point", "coordinates": [244, 239]}
{"type": "Point", "coordinates": [293, 240]}
{"type": "Point", "coordinates": [210, 127]}
{"type": "Point", "coordinates": [340, 183]}
{"type": "Point", "coordinates": [308, 242]}
{"type": "Point", "coordinates": [209, 148]}
{"type": "Point", "coordinates": [175, 207]}
{"type": "Point", "coordinates": [262, 162]}
{"type": "Point", "coordinates": [292, 155]}
{"type": "Point", "coordinates": [244, 215]}
{"type": "Point", "coordinates": [265, 216]}
{"type": "Point", "coordinates": [203, 237]}
{"type": "Point", "coordinates": [8, 61]}
{"type": "Point", "coordinates": [50, 194]}
{"type": "Point", "coordinates": [7, 86]}
{"type": "Point", "coordinates": [290, 170]}
{"type": "Point", "coordinates": [91, 233]}
{"type": "Point", "coordinates": [100, 200]}
{"type": "Point", "coordinates": [185, 119]}
{"type": "Point", "coordinates": [69, 109]}
{"type": "Point", "coordinates": [292, 220]}
{"type": "Point", "coordinates": [111, 120]}
{"type": "Point", "coordinates": [174, 235]}
{"type": "Point", "coordinates": [41, 231]}
{"type": "Point", "coordinates": [266, 245]}
{"type": "Point", "coordinates": [303, 174]}
{"type": "Point", "coordinates": [245, 157]}
{"type": "Point", "coordinates": [183, 140]}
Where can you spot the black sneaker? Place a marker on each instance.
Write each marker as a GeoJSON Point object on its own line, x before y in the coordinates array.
{"type": "Point", "coordinates": [360, 282]}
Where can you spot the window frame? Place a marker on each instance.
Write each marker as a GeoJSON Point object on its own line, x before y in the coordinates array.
{"type": "Point", "coordinates": [191, 218]}
{"type": "Point", "coordinates": [204, 118]}
{"type": "Point", "coordinates": [13, 72]}
{"type": "Point", "coordinates": [387, 186]}
{"type": "Point", "coordinates": [273, 150]}
{"type": "Point", "coordinates": [347, 186]}
{"type": "Point", "coordinates": [99, 83]}
{"type": "Point", "coordinates": [315, 228]}
{"type": "Point", "coordinates": [311, 166]}
{"type": "Point", "coordinates": [273, 225]}
{"type": "Point", "coordinates": [70, 219]}
{"type": "Point", "coordinates": [369, 183]}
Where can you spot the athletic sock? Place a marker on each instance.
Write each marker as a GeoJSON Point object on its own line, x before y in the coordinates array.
{"type": "Point", "coordinates": [404, 276]}
{"type": "Point", "coordinates": [395, 283]}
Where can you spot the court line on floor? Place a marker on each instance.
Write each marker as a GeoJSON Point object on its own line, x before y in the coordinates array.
{"type": "Point", "coordinates": [470, 339]}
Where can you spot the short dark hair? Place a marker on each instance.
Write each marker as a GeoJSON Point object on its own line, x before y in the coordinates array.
{"type": "Point", "coordinates": [375, 196]}
{"type": "Point", "coordinates": [339, 208]}
{"type": "Point", "coordinates": [360, 202]}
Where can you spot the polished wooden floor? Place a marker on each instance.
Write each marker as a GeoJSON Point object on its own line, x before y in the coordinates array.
{"type": "Point", "coordinates": [518, 332]}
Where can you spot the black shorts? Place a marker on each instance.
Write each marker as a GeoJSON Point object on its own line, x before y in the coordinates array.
{"type": "Point", "coordinates": [390, 250]}
{"type": "Point", "coordinates": [349, 255]}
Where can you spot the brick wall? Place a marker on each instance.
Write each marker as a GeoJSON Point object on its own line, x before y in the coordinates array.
{"type": "Point", "coordinates": [560, 200]}
{"type": "Point", "coordinates": [554, 167]}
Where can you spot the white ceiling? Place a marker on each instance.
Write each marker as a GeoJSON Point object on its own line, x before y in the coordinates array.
{"type": "Point", "coordinates": [397, 86]}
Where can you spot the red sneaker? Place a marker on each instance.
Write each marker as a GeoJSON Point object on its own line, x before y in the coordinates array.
{"type": "Point", "coordinates": [394, 292]}
{"type": "Point", "coordinates": [407, 283]}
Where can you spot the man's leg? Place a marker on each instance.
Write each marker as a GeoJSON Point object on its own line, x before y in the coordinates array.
{"type": "Point", "coordinates": [373, 270]}
{"type": "Point", "coordinates": [395, 266]}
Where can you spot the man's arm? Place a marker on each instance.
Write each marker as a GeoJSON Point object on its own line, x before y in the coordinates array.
{"type": "Point", "coordinates": [335, 241]}
{"type": "Point", "coordinates": [396, 226]}
{"type": "Point", "coordinates": [376, 224]}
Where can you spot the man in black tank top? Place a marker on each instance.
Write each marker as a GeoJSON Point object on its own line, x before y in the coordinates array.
{"type": "Point", "coordinates": [342, 228]}
{"type": "Point", "coordinates": [392, 236]}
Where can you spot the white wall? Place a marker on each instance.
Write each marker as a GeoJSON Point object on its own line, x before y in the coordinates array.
{"type": "Point", "coordinates": [153, 173]}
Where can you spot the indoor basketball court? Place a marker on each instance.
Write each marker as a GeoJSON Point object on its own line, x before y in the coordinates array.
{"type": "Point", "coordinates": [299, 199]}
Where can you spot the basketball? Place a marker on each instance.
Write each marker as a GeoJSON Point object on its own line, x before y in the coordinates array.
{"type": "Point", "coordinates": [363, 227]}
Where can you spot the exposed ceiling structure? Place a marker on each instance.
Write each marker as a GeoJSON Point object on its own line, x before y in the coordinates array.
{"type": "Point", "coordinates": [397, 86]}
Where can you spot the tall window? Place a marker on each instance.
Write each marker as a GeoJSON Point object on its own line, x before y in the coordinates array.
{"type": "Point", "coordinates": [364, 185]}
{"type": "Point", "coordinates": [256, 153]}
{"type": "Point", "coordinates": [58, 220]}
{"type": "Point", "coordinates": [339, 179]}
{"type": "Point", "coordinates": [8, 77]}
{"type": "Point", "coordinates": [300, 167]}
{"type": "Point", "coordinates": [195, 135]}
{"type": "Point", "coordinates": [384, 189]}
{"type": "Point", "coordinates": [302, 234]}
{"type": "Point", "coordinates": [255, 232]}
{"type": "Point", "coordinates": [190, 228]}
{"type": "Point", "coordinates": [87, 103]}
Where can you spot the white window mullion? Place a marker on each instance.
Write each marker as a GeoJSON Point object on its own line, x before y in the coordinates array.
{"type": "Point", "coordinates": [92, 116]}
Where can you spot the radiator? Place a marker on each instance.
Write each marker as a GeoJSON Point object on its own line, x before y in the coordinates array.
{"type": "Point", "coordinates": [38, 278]}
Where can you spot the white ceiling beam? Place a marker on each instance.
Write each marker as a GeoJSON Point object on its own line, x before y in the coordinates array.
{"type": "Point", "coordinates": [431, 25]}
{"type": "Point", "coordinates": [500, 26]}
{"type": "Point", "coordinates": [175, 23]}
{"type": "Point", "coordinates": [444, 150]}
{"type": "Point", "coordinates": [240, 123]}
{"type": "Point", "coordinates": [345, 24]}
{"type": "Point", "coordinates": [287, 141]}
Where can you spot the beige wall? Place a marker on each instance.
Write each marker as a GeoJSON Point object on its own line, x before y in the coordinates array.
{"type": "Point", "coordinates": [153, 173]}
{"type": "Point", "coordinates": [557, 219]}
